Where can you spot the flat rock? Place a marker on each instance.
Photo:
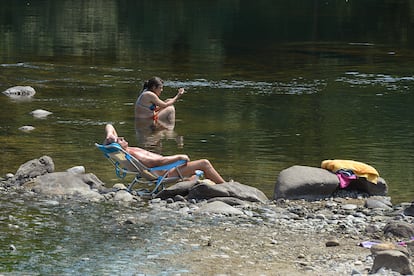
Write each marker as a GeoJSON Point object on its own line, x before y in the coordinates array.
{"type": "Point", "coordinates": [19, 91]}
{"type": "Point", "coordinates": [63, 183]}
{"type": "Point", "coordinates": [227, 189]}
{"type": "Point", "coordinates": [218, 207]}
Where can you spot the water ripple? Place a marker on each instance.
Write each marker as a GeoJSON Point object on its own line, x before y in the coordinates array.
{"type": "Point", "coordinates": [393, 83]}
{"type": "Point", "coordinates": [297, 86]}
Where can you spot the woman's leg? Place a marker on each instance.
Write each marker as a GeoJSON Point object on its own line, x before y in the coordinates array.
{"type": "Point", "coordinates": [202, 164]}
{"type": "Point", "coordinates": [166, 117]}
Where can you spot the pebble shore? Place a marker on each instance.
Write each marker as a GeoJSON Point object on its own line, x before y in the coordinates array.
{"type": "Point", "coordinates": [284, 237]}
{"type": "Point", "coordinates": [280, 237]}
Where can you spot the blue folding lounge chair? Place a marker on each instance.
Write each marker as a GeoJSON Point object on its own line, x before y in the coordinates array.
{"type": "Point", "coordinates": [125, 163]}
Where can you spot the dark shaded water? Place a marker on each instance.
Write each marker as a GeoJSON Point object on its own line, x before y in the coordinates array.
{"type": "Point", "coordinates": [270, 84]}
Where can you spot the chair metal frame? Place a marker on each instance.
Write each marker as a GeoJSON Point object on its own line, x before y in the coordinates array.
{"type": "Point", "coordinates": [125, 163]}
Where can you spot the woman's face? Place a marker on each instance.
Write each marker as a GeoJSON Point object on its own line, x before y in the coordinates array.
{"type": "Point", "coordinates": [158, 90]}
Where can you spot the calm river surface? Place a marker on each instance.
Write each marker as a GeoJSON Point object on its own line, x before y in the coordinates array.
{"type": "Point", "coordinates": [270, 84]}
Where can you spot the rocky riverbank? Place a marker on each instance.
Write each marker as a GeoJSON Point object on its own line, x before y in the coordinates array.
{"type": "Point", "coordinates": [348, 233]}
{"type": "Point", "coordinates": [284, 237]}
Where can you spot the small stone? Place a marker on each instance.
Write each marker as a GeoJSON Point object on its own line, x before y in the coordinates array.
{"type": "Point", "coordinates": [349, 207]}
{"type": "Point", "coordinates": [12, 247]}
{"type": "Point", "coordinates": [130, 220]}
{"type": "Point", "coordinates": [119, 186]}
{"type": "Point", "coordinates": [355, 272]}
{"type": "Point", "coordinates": [77, 170]}
{"type": "Point", "coordinates": [26, 128]}
{"type": "Point", "coordinates": [40, 113]}
{"type": "Point", "coordinates": [332, 242]}
{"type": "Point", "coordinates": [179, 198]}
{"type": "Point", "coordinates": [331, 205]}
{"type": "Point", "coordinates": [155, 200]}
{"type": "Point", "coordinates": [123, 195]}
{"type": "Point", "coordinates": [409, 211]}
{"type": "Point", "coordinates": [358, 263]}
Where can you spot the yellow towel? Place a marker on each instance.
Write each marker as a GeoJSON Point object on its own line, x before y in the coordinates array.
{"type": "Point", "coordinates": [359, 168]}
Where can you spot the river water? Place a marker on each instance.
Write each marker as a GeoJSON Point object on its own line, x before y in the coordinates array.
{"type": "Point", "coordinates": [270, 84]}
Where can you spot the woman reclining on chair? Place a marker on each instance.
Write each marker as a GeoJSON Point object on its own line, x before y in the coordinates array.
{"type": "Point", "coordinates": [151, 159]}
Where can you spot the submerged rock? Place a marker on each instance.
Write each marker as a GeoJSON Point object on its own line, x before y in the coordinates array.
{"type": "Point", "coordinates": [40, 113]}
{"type": "Point", "coordinates": [19, 91]}
{"type": "Point", "coordinates": [26, 128]}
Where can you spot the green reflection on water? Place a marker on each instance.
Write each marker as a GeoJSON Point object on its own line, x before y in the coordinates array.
{"type": "Point", "coordinates": [250, 130]}
{"type": "Point", "coordinates": [264, 93]}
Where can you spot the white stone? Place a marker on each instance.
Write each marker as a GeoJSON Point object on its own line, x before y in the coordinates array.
{"type": "Point", "coordinates": [76, 170]}
{"type": "Point", "coordinates": [40, 113]}
{"type": "Point", "coordinates": [26, 128]}
{"type": "Point", "coordinates": [20, 91]}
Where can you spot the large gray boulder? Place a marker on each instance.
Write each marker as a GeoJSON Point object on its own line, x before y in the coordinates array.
{"type": "Point", "coordinates": [180, 188]}
{"type": "Point", "coordinates": [32, 169]}
{"type": "Point", "coordinates": [303, 182]}
{"type": "Point", "coordinates": [66, 184]}
{"type": "Point", "coordinates": [394, 260]}
{"type": "Point", "coordinates": [400, 229]}
{"type": "Point", "coordinates": [205, 189]}
{"type": "Point", "coordinates": [227, 189]}
{"type": "Point", "coordinates": [363, 185]}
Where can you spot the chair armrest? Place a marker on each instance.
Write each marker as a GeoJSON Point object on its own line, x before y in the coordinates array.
{"type": "Point", "coordinates": [168, 166]}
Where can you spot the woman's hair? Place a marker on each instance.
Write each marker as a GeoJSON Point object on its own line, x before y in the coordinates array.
{"type": "Point", "coordinates": [153, 82]}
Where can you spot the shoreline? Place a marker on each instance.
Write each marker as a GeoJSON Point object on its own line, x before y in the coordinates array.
{"type": "Point", "coordinates": [276, 237]}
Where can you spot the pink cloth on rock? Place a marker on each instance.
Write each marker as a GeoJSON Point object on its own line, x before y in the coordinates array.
{"type": "Point", "coordinates": [345, 179]}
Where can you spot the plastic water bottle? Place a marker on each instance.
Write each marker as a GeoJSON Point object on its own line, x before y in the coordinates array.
{"type": "Point", "coordinates": [199, 174]}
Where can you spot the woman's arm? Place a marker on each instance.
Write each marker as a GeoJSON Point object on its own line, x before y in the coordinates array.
{"type": "Point", "coordinates": [165, 160]}
{"type": "Point", "coordinates": [173, 100]}
{"type": "Point", "coordinates": [111, 134]}
{"type": "Point", "coordinates": [151, 159]}
{"type": "Point", "coordinates": [163, 104]}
